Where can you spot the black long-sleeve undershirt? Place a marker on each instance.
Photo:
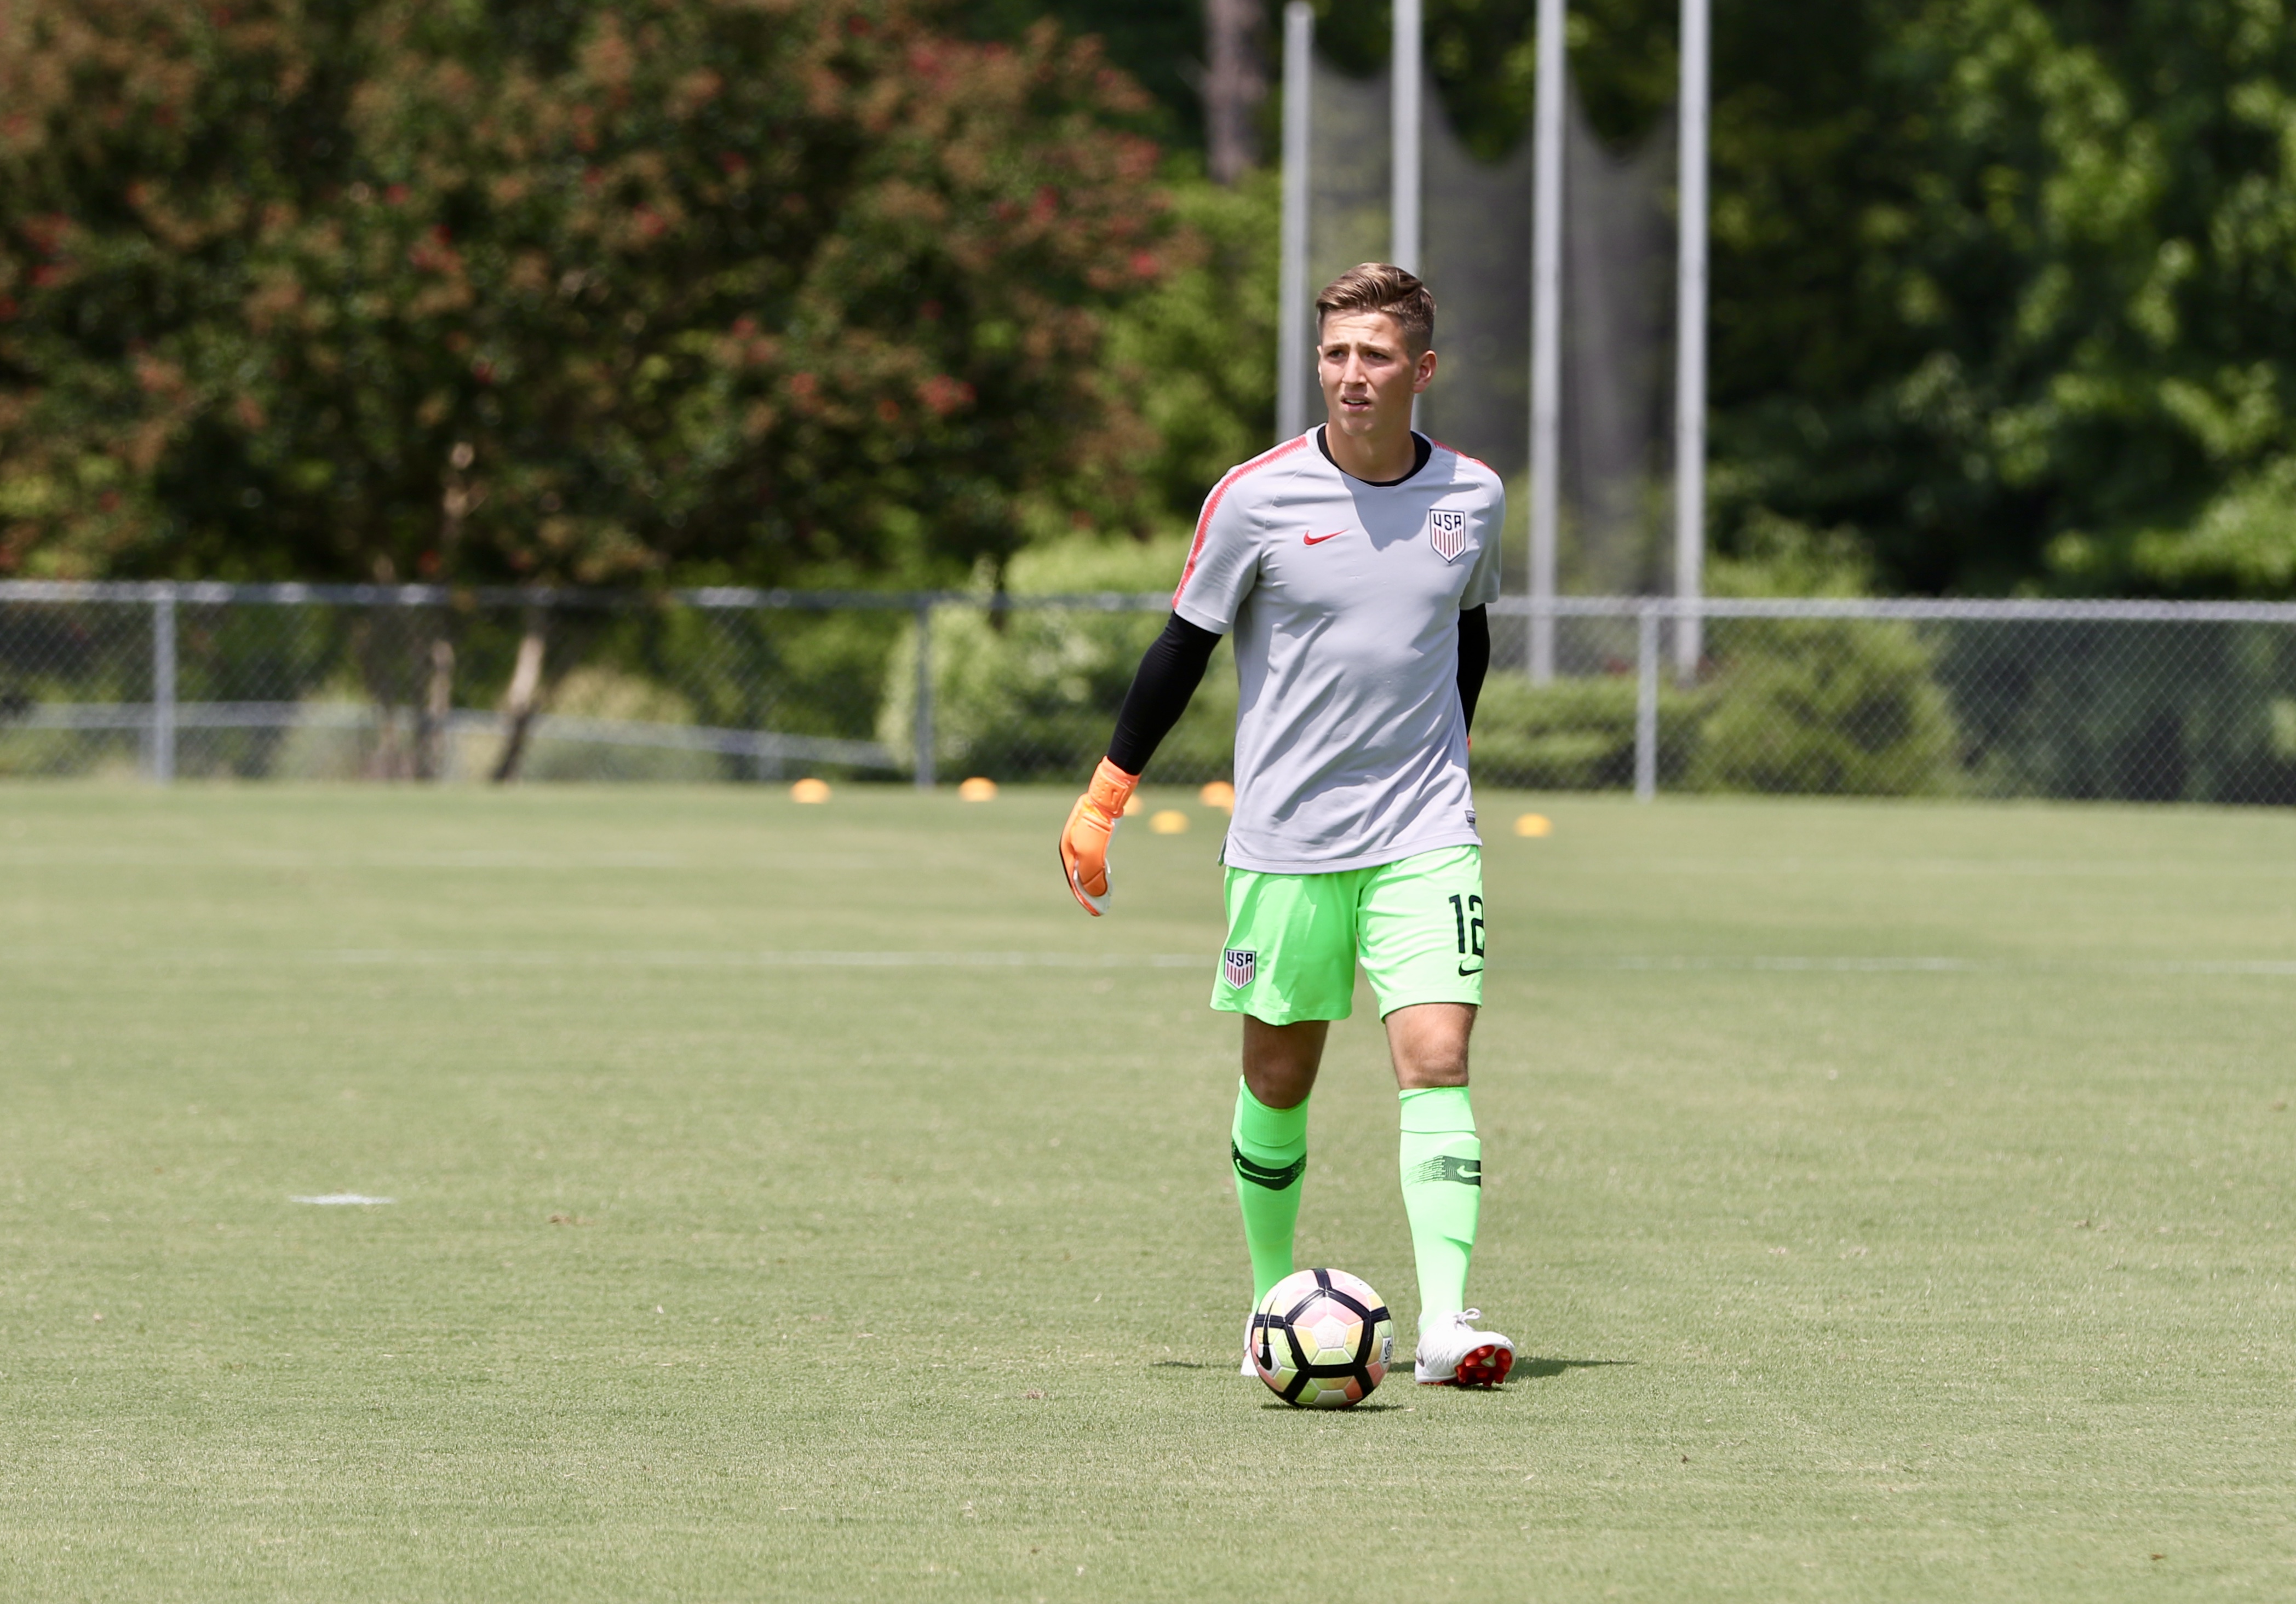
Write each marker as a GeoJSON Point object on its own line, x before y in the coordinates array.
{"type": "Point", "coordinates": [1474, 658]}
{"type": "Point", "coordinates": [1174, 665]}
{"type": "Point", "coordinates": [1170, 670]}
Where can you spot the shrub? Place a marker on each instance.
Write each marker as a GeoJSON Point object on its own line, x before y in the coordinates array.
{"type": "Point", "coordinates": [1844, 706]}
{"type": "Point", "coordinates": [1839, 706]}
{"type": "Point", "coordinates": [1575, 734]}
{"type": "Point", "coordinates": [1033, 693]}
{"type": "Point", "coordinates": [608, 696]}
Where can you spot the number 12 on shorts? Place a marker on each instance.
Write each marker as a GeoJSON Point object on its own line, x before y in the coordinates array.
{"type": "Point", "coordinates": [1467, 913]}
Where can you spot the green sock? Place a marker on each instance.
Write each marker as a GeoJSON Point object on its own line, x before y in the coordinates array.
{"type": "Point", "coordinates": [1270, 1149]}
{"type": "Point", "coordinates": [1442, 1193]}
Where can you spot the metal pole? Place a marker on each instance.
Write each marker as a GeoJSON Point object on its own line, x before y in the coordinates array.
{"type": "Point", "coordinates": [924, 719]}
{"type": "Point", "coordinates": [1546, 332]}
{"type": "Point", "coordinates": [1646, 704]}
{"type": "Point", "coordinates": [1291, 295]}
{"type": "Point", "coordinates": [1403, 213]}
{"type": "Point", "coordinates": [1690, 343]}
{"type": "Point", "coordinates": [162, 758]}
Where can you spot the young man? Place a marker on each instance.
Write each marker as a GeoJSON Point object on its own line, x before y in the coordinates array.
{"type": "Point", "coordinates": [1354, 565]}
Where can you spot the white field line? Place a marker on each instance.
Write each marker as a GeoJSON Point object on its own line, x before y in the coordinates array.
{"type": "Point", "coordinates": [16, 856]}
{"type": "Point", "coordinates": [1942, 966]}
{"type": "Point", "coordinates": [335, 1199]}
{"type": "Point", "coordinates": [129, 857]}
{"type": "Point", "coordinates": [544, 958]}
{"type": "Point", "coordinates": [1675, 963]}
{"type": "Point", "coordinates": [786, 960]}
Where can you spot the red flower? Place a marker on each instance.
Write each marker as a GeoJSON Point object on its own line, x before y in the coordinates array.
{"type": "Point", "coordinates": [944, 395]}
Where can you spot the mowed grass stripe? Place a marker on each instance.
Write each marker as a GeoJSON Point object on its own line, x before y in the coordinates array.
{"type": "Point", "coordinates": [712, 1278]}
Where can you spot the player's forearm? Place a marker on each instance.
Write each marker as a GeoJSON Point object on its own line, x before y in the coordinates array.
{"type": "Point", "coordinates": [1169, 673]}
{"type": "Point", "coordinates": [1474, 658]}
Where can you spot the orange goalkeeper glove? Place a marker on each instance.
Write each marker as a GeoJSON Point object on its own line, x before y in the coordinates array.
{"type": "Point", "coordinates": [1084, 840]}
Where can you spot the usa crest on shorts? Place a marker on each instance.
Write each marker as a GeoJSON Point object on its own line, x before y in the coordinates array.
{"type": "Point", "coordinates": [1446, 532]}
{"type": "Point", "coordinates": [1242, 963]}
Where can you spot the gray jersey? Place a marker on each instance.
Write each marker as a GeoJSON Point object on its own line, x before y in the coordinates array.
{"type": "Point", "coordinates": [1344, 597]}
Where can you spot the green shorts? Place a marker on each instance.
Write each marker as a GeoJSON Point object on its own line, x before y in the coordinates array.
{"type": "Point", "coordinates": [1294, 939]}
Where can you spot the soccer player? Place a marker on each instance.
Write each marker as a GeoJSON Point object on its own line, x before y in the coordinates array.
{"type": "Point", "coordinates": [1354, 565]}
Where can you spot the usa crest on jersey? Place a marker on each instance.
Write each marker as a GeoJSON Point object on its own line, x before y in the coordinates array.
{"type": "Point", "coordinates": [1446, 532]}
{"type": "Point", "coordinates": [1242, 963]}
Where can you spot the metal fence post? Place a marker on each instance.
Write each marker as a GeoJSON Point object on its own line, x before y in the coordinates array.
{"type": "Point", "coordinates": [1646, 703]}
{"type": "Point", "coordinates": [160, 758]}
{"type": "Point", "coordinates": [924, 714]}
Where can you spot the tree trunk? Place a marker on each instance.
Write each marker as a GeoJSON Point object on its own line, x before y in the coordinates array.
{"type": "Point", "coordinates": [382, 671]}
{"type": "Point", "coordinates": [457, 498]}
{"type": "Point", "coordinates": [525, 696]}
{"type": "Point", "coordinates": [1235, 82]}
{"type": "Point", "coordinates": [438, 707]}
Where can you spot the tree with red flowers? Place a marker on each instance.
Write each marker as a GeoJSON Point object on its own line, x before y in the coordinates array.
{"type": "Point", "coordinates": [705, 288]}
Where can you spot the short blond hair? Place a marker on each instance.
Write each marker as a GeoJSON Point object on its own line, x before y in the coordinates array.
{"type": "Point", "coordinates": [1383, 287]}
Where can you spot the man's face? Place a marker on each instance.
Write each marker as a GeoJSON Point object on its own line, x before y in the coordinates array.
{"type": "Point", "coordinates": [1368, 374]}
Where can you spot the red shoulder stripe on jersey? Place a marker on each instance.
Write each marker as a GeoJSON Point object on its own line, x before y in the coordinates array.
{"type": "Point", "coordinates": [1463, 457]}
{"type": "Point", "coordinates": [1211, 505]}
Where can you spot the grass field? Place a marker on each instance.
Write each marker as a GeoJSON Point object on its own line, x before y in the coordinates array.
{"type": "Point", "coordinates": [1892, 1202]}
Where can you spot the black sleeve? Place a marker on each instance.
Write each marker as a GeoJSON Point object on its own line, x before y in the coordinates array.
{"type": "Point", "coordinates": [1474, 658]}
{"type": "Point", "coordinates": [1169, 673]}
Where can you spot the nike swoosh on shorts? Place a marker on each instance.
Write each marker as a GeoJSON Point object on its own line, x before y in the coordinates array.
{"type": "Point", "coordinates": [1476, 970]}
{"type": "Point", "coordinates": [1320, 539]}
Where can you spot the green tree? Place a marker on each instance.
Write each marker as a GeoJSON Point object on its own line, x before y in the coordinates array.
{"type": "Point", "coordinates": [2001, 288]}
{"type": "Point", "coordinates": [1197, 353]}
{"type": "Point", "coordinates": [2005, 287]}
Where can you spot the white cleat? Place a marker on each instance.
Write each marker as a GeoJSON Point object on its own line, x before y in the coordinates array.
{"type": "Point", "coordinates": [1453, 1353]}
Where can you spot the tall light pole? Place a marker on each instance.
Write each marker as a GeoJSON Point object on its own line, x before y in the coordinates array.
{"type": "Point", "coordinates": [1291, 295]}
{"type": "Point", "coordinates": [1403, 211]}
{"type": "Point", "coordinates": [1690, 341]}
{"type": "Point", "coordinates": [1546, 332]}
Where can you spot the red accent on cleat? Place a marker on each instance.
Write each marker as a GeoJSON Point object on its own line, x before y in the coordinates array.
{"type": "Point", "coordinates": [1484, 1366]}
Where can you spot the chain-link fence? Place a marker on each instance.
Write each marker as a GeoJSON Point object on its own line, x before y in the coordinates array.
{"type": "Point", "coordinates": [2138, 701]}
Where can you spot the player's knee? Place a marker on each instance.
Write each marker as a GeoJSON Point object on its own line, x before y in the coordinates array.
{"type": "Point", "coordinates": [1425, 1075]}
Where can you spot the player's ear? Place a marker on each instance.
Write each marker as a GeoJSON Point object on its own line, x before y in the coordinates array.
{"type": "Point", "coordinates": [1425, 371]}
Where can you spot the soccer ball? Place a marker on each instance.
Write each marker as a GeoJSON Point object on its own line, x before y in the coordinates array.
{"type": "Point", "coordinates": [1321, 1339]}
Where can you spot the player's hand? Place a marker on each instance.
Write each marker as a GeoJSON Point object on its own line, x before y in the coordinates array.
{"type": "Point", "coordinates": [1084, 840]}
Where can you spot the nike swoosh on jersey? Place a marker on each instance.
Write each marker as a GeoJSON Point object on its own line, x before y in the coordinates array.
{"type": "Point", "coordinates": [1320, 539]}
